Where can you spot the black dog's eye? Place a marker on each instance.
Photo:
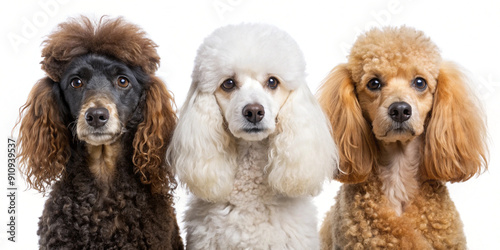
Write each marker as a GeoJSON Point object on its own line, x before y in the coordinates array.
{"type": "Point", "coordinates": [122, 82]}
{"type": "Point", "coordinates": [272, 82]}
{"type": "Point", "coordinates": [228, 85]}
{"type": "Point", "coordinates": [76, 83]}
{"type": "Point", "coordinates": [420, 83]}
{"type": "Point", "coordinates": [374, 84]}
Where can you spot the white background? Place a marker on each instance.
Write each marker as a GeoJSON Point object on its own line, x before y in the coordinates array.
{"type": "Point", "coordinates": [467, 32]}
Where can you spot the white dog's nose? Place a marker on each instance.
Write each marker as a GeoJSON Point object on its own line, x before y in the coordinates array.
{"type": "Point", "coordinates": [253, 112]}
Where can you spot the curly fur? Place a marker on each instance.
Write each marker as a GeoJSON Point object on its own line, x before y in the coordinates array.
{"type": "Point", "coordinates": [134, 208]}
{"type": "Point", "coordinates": [352, 132]}
{"type": "Point", "coordinates": [117, 39]}
{"type": "Point", "coordinates": [153, 136]}
{"type": "Point", "coordinates": [251, 189]}
{"type": "Point", "coordinates": [395, 196]}
{"type": "Point", "coordinates": [44, 151]}
{"type": "Point", "coordinates": [362, 220]}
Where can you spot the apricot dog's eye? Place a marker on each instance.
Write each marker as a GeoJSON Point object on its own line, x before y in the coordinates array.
{"type": "Point", "coordinates": [272, 82]}
{"type": "Point", "coordinates": [374, 84]}
{"type": "Point", "coordinates": [122, 82]}
{"type": "Point", "coordinates": [76, 83]}
{"type": "Point", "coordinates": [420, 83]}
{"type": "Point", "coordinates": [228, 85]}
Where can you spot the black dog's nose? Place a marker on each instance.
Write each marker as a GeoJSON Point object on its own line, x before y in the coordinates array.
{"type": "Point", "coordinates": [400, 111]}
{"type": "Point", "coordinates": [253, 112]}
{"type": "Point", "coordinates": [97, 117]}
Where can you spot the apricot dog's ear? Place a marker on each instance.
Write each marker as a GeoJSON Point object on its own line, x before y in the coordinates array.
{"type": "Point", "coordinates": [351, 132]}
{"type": "Point", "coordinates": [43, 137]}
{"type": "Point", "coordinates": [455, 139]}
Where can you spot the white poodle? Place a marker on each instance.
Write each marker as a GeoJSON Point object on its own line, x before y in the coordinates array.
{"type": "Point", "coordinates": [252, 144]}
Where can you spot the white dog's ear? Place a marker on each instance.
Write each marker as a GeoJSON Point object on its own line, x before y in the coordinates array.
{"type": "Point", "coordinates": [201, 151]}
{"type": "Point", "coordinates": [302, 151]}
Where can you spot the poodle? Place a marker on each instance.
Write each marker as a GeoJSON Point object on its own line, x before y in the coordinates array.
{"type": "Point", "coordinates": [405, 123]}
{"type": "Point", "coordinates": [95, 132]}
{"type": "Point", "coordinates": [252, 143]}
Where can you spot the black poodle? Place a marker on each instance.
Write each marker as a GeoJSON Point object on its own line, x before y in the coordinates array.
{"type": "Point", "coordinates": [96, 132]}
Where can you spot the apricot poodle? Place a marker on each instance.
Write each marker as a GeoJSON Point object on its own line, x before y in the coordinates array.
{"type": "Point", "coordinates": [405, 123]}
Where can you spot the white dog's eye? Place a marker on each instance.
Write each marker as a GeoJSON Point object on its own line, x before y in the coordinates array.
{"type": "Point", "coordinates": [272, 82]}
{"type": "Point", "coordinates": [228, 85]}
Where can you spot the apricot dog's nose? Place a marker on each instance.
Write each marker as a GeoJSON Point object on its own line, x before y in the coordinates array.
{"type": "Point", "coordinates": [97, 117]}
{"type": "Point", "coordinates": [400, 111]}
{"type": "Point", "coordinates": [253, 112]}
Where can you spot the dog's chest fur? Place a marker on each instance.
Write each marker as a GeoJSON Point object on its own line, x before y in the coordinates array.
{"type": "Point", "coordinates": [254, 216]}
{"type": "Point", "coordinates": [250, 188]}
{"type": "Point", "coordinates": [102, 161]}
{"type": "Point", "coordinates": [398, 171]}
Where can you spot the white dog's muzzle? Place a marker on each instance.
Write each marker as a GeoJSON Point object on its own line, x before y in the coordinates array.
{"type": "Point", "coordinates": [251, 113]}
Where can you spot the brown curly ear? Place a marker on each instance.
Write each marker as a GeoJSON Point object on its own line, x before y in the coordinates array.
{"type": "Point", "coordinates": [455, 140]}
{"type": "Point", "coordinates": [153, 136]}
{"type": "Point", "coordinates": [351, 131]}
{"type": "Point", "coordinates": [43, 139]}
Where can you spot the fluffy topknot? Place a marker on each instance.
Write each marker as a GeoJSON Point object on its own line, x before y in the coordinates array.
{"type": "Point", "coordinates": [393, 48]}
{"type": "Point", "coordinates": [115, 38]}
